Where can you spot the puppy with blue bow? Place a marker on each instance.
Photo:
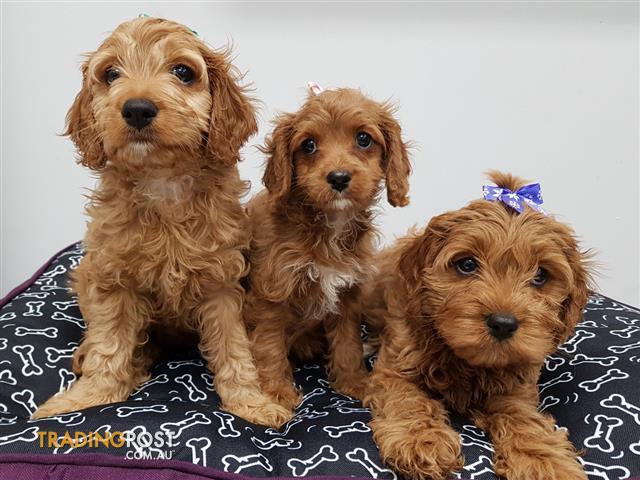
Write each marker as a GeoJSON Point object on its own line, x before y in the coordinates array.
{"type": "Point", "coordinates": [471, 306]}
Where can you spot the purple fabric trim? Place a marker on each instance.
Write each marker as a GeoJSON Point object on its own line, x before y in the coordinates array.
{"type": "Point", "coordinates": [27, 283]}
{"type": "Point", "coordinates": [99, 466]}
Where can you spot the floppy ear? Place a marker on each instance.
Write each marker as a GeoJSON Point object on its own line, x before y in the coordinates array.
{"type": "Point", "coordinates": [278, 174]}
{"type": "Point", "coordinates": [81, 127]}
{"type": "Point", "coordinates": [233, 117]}
{"type": "Point", "coordinates": [418, 253]}
{"type": "Point", "coordinates": [422, 248]}
{"type": "Point", "coordinates": [396, 159]}
{"type": "Point", "coordinates": [573, 305]}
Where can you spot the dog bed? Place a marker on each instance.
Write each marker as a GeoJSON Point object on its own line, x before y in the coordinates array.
{"type": "Point", "coordinates": [591, 386]}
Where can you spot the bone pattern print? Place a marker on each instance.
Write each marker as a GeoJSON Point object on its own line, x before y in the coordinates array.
{"type": "Point", "coordinates": [589, 386]}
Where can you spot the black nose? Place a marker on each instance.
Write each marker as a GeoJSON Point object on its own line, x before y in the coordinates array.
{"type": "Point", "coordinates": [502, 325]}
{"type": "Point", "coordinates": [339, 179]}
{"type": "Point", "coordinates": [139, 112]}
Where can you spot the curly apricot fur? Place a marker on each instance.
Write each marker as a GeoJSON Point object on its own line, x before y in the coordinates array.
{"type": "Point", "coordinates": [167, 233]}
{"type": "Point", "coordinates": [437, 352]}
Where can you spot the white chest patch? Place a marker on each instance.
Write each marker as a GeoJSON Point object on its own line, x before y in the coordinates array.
{"type": "Point", "coordinates": [331, 282]}
{"type": "Point", "coordinates": [166, 189]}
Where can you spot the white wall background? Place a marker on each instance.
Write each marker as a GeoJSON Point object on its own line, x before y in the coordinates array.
{"type": "Point", "coordinates": [548, 90]}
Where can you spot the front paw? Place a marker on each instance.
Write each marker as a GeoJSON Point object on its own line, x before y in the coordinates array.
{"type": "Point", "coordinates": [86, 392]}
{"type": "Point", "coordinates": [262, 412]}
{"type": "Point", "coordinates": [55, 406]}
{"type": "Point", "coordinates": [68, 402]}
{"type": "Point", "coordinates": [423, 452]}
{"type": "Point", "coordinates": [286, 395]}
{"type": "Point", "coordinates": [355, 388]}
{"type": "Point", "coordinates": [529, 466]}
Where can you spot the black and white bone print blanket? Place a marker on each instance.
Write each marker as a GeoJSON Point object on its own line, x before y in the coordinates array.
{"type": "Point", "coordinates": [591, 386]}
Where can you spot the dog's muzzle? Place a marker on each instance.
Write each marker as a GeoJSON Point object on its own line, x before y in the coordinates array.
{"type": "Point", "coordinates": [338, 179]}
{"type": "Point", "coordinates": [501, 325]}
{"type": "Point", "coordinates": [139, 112]}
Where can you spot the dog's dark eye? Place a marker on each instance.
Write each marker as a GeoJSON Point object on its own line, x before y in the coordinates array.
{"type": "Point", "coordinates": [466, 266]}
{"type": "Point", "coordinates": [111, 75]}
{"type": "Point", "coordinates": [541, 278]}
{"type": "Point", "coordinates": [363, 140]}
{"type": "Point", "coordinates": [309, 146]}
{"type": "Point", "coordinates": [184, 73]}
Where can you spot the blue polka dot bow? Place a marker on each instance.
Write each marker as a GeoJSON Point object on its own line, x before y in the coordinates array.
{"type": "Point", "coordinates": [528, 195]}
